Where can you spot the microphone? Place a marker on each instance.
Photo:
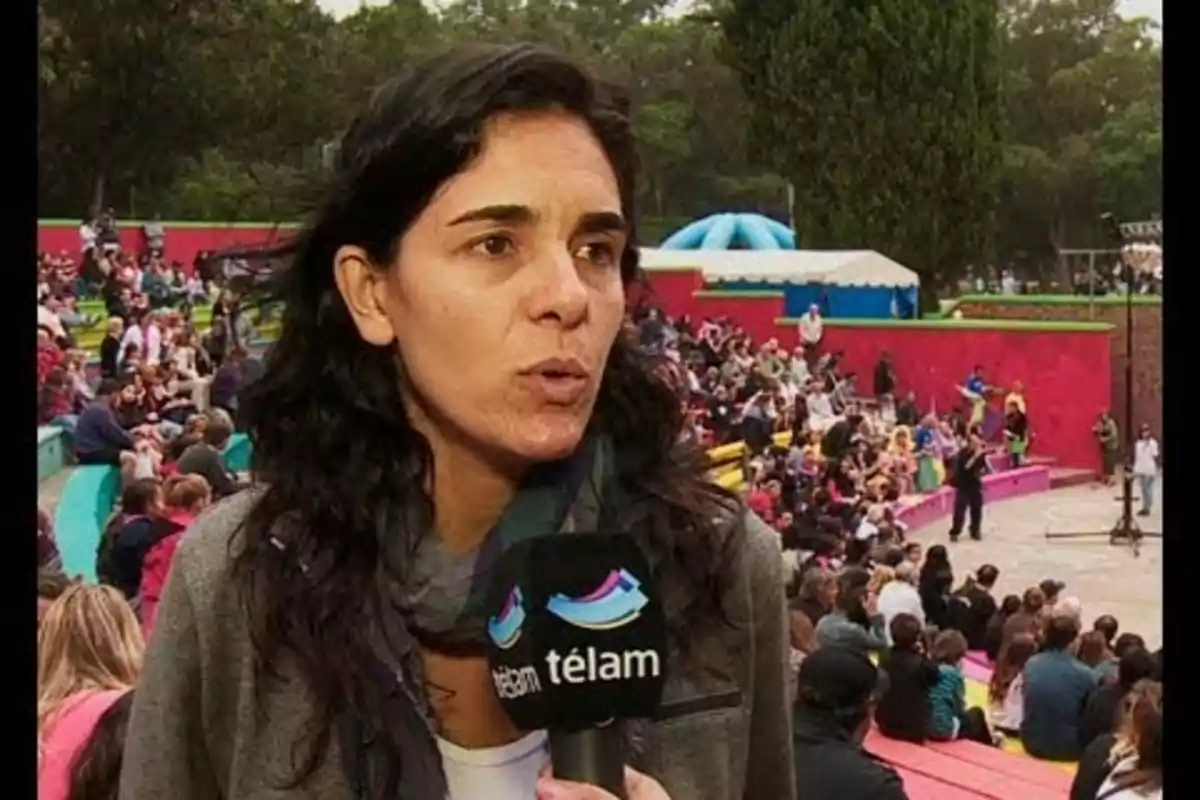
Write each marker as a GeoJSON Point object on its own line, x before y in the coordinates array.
{"type": "Point", "coordinates": [577, 644]}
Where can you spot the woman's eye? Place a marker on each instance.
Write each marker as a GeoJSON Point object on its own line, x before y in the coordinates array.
{"type": "Point", "coordinates": [601, 254]}
{"type": "Point", "coordinates": [494, 246]}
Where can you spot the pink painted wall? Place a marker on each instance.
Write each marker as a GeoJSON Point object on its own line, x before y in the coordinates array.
{"type": "Point", "coordinates": [1066, 373]}
{"type": "Point", "coordinates": [670, 290]}
{"type": "Point", "coordinates": [183, 240]}
{"type": "Point", "coordinates": [753, 311]}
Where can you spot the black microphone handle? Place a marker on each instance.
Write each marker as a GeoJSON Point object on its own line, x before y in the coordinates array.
{"type": "Point", "coordinates": [594, 755]}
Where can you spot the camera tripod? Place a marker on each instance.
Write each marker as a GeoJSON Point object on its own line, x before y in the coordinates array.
{"type": "Point", "coordinates": [1126, 530]}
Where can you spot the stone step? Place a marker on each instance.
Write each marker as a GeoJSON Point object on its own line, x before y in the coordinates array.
{"type": "Point", "coordinates": [1062, 477]}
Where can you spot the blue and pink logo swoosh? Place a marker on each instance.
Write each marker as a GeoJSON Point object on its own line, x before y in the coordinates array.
{"type": "Point", "coordinates": [505, 628]}
{"type": "Point", "coordinates": [618, 601]}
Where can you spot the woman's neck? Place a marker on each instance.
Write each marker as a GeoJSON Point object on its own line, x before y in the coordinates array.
{"type": "Point", "coordinates": [470, 491]}
{"type": "Point", "coordinates": [468, 498]}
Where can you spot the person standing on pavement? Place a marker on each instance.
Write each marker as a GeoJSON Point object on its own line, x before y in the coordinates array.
{"type": "Point", "coordinates": [969, 466]}
{"type": "Point", "coordinates": [1145, 468]}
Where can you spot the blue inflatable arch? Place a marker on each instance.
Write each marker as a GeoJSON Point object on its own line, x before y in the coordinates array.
{"type": "Point", "coordinates": [727, 231]}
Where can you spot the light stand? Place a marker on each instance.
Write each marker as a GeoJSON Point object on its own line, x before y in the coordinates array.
{"type": "Point", "coordinates": [1126, 529]}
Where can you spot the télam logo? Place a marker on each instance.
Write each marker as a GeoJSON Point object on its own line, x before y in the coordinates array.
{"type": "Point", "coordinates": [505, 628]}
{"type": "Point", "coordinates": [616, 602]}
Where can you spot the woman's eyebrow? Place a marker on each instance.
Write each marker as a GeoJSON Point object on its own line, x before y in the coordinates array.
{"type": "Point", "coordinates": [512, 214]}
{"type": "Point", "coordinates": [506, 214]}
{"type": "Point", "coordinates": [601, 222]}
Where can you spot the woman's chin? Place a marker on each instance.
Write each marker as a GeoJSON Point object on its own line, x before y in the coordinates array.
{"type": "Point", "coordinates": [546, 440]}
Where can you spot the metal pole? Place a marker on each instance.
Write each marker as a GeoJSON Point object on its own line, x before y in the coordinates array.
{"type": "Point", "coordinates": [1130, 439]}
{"type": "Point", "coordinates": [1092, 285]}
{"type": "Point", "coordinates": [791, 204]}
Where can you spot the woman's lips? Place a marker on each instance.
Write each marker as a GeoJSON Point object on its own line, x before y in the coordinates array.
{"type": "Point", "coordinates": [555, 388]}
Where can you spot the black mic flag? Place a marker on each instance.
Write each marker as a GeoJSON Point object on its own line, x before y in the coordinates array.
{"type": "Point", "coordinates": [577, 643]}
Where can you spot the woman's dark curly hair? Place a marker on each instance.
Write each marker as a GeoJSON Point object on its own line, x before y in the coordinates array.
{"type": "Point", "coordinates": [338, 458]}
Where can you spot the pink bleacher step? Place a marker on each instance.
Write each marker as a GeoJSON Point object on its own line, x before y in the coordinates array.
{"type": "Point", "coordinates": [923, 787]}
{"type": "Point", "coordinates": [1062, 477]}
{"type": "Point", "coordinates": [1044, 774]}
{"type": "Point", "coordinates": [955, 769]}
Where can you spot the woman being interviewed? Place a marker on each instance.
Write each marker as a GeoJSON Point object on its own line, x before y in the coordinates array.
{"type": "Point", "coordinates": [450, 379]}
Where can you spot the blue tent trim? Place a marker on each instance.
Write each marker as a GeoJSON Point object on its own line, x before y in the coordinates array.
{"type": "Point", "coordinates": [844, 302]}
{"type": "Point", "coordinates": [725, 231]}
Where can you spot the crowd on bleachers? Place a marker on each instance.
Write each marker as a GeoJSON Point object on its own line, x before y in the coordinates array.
{"type": "Point", "coordinates": [856, 583]}
{"type": "Point", "coordinates": [879, 624]}
{"type": "Point", "coordinates": [157, 370]}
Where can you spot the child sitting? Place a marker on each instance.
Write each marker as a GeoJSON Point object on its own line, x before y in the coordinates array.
{"type": "Point", "coordinates": [949, 716]}
{"type": "Point", "coordinates": [1006, 690]}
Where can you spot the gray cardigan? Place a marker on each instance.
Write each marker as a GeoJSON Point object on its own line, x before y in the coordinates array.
{"type": "Point", "coordinates": [194, 733]}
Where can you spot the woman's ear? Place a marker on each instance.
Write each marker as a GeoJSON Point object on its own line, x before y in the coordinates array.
{"type": "Point", "coordinates": [363, 289]}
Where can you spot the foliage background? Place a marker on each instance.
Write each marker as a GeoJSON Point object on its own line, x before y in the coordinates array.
{"type": "Point", "coordinates": [1003, 127]}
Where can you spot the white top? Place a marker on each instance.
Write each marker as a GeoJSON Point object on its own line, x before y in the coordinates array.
{"type": "Point", "coordinates": [898, 597]}
{"type": "Point", "coordinates": [184, 358]}
{"type": "Point", "coordinates": [800, 371]}
{"type": "Point", "coordinates": [87, 236]}
{"type": "Point", "coordinates": [150, 342]}
{"type": "Point", "coordinates": [1145, 457]}
{"type": "Point", "coordinates": [1106, 788]}
{"type": "Point", "coordinates": [508, 772]}
{"type": "Point", "coordinates": [48, 319]}
{"type": "Point", "coordinates": [1009, 714]}
{"type": "Point", "coordinates": [820, 406]}
{"type": "Point", "coordinates": [866, 529]}
{"type": "Point", "coordinates": [811, 329]}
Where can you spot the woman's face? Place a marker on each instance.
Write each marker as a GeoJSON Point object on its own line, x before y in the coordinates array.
{"type": "Point", "coordinates": [506, 294]}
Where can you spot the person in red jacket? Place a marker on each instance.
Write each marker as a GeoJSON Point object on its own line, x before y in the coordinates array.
{"type": "Point", "coordinates": [186, 496]}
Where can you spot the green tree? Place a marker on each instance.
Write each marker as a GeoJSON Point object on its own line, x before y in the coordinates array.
{"type": "Point", "coordinates": [1083, 132]}
{"type": "Point", "coordinates": [884, 115]}
{"type": "Point", "coordinates": [130, 90]}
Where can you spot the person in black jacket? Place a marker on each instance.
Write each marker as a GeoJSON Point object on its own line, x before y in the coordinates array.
{"type": "Point", "coordinates": [110, 348]}
{"type": "Point", "coordinates": [141, 527]}
{"type": "Point", "coordinates": [934, 584]}
{"type": "Point", "coordinates": [1103, 708]}
{"type": "Point", "coordinates": [903, 710]}
{"type": "Point", "coordinates": [835, 690]}
{"type": "Point", "coordinates": [978, 605]}
{"type": "Point", "coordinates": [969, 466]}
{"type": "Point", "coordinates": [1016, 434]}
{"type": "Point", "coordinates": [885, 375]}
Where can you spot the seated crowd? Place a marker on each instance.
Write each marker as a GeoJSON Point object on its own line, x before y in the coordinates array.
{"type": "Point", "coordinates": [879, 629]}
{"type": "Point", "coordinates": [1066, 693]}
{"type": "Point", "coordinates": [892, 628]}
{"type": "Point", "coordinates": [157, 373]}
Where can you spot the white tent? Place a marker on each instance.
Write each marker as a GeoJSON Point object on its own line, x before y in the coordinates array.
{"type": "Point", "coordinates": [829, 267]}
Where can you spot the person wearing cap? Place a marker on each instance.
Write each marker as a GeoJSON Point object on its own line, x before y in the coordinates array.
{"type": "Point", "coordinates": [836, 691]}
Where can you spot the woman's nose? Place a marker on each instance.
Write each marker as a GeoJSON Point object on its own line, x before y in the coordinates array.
{"type": "Point", "coordinates": [559, 291]}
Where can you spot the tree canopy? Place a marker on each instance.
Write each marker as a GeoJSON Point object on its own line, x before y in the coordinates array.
{"type": "Point", "coordinates": [941, 134]}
